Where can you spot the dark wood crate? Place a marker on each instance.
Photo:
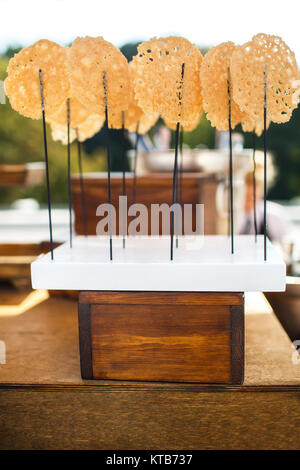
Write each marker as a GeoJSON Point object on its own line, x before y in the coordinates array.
{"type": "Point", "coordinates": [162, 336]}
{"type": "Point", "coordinates": [197, 188]}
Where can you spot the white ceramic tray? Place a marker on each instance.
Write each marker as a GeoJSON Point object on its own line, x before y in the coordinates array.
{"type": "Point", "coordinates": [204, 264]}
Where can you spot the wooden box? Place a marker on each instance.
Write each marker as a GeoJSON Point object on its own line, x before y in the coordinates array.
{"type": "Point", "coordinates": [162, 336]}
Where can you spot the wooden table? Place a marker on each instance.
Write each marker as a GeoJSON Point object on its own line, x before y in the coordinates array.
{"type": "Point", "coordinates": [44, 403]}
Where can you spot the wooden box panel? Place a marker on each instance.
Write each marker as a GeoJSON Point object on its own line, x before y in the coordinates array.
{"type": "Point", "coordinates": [162, 336]}
{"type": "Point", "coordinates": [197, 188]}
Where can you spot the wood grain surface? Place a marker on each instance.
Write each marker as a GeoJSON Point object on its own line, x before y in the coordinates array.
{"type": "Point", "coordinates": [67, 419]}
{"type": "Point", "coordinates": [44, 403]}
{"type": "Point", "coordinates": [43, 348]}
{"type": "Point", "coordinates": [237, 343]}
{"type": "Point", "coordinates": [85, 340]}
{"type": "Point", "coordinates": [161, 298]}
{"type": "Point", "coordinates": [163, 336]}
{"type": "Point", "coordinates": [161, 343]}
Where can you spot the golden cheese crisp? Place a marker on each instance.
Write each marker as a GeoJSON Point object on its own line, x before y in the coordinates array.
{"type": "Point", "coordinates": [85, 130]}
{"type": "Point", "coordinates": [265, 57]}
{"type": "Point", "coordinates": [88, 59]}
{"type": "Point", "coordinates": [78, 113]}
{"type": "Point", "coordinates": [215, 77]}
{"type": "Point", "coordinates": [189, 128]}
{"type": "Point", "coordinates": [146, 121]}
{"type": "Point", "coordinates": [90, 127]}
{"type": "Point", "coordinates": [59, 132]}
{"type": "Point", "coordinates": [131, 117]}
{"type": "Point", "coordinates": [132, 114]}
{"type": "Point", "coordinates": [158, 82]}
{"type": "Point", "coordinates": [137, 121]}
{"type": "Point", "coordinates": [249, 126]}
{"type": "Point", "coordinates": [22, 84]}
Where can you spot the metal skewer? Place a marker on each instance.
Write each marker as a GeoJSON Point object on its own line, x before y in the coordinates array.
{"type": "Point", "coordinates": [82, 193]}
{"type": "Point", "coordinates": [174, 195]}
{"type": "Point", "coordinates": [230, 165]}
{"type": "Point", "coordinates": [124, 178]}
{"type": "Point", "coordinates": [69, 174]}
{"type": "Point", "coordinates": [46, 161]}
{"type": "Point", "coordinates": [135, 162]}
{"type": "Point", "coordinates": [254, 185]}
{"type": "Point", "coordinates": [265, 162]}
{"type": "Point", "coordinates": [108, 167]}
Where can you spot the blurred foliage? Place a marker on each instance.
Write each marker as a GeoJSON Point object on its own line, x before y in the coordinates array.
{"type": "Point", "coordinates": [21, 140]}
{"type": "Point", "coordinates": [202, 136]}
{"type": "Point", "coordinates": [283, 140]}
{"type": "Point", "coordinates": [130, 50]}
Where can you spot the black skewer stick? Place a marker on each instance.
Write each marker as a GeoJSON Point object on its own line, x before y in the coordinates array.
{"type": "Point", "coordinates": [228, 201]}
{"type": "Point", "coordinates": [69, 174]}
{"type": "Point", "coordinates": [174, 184]}
{"type": "Point", "coordinates": [228, 204]}
{"type": "Point", "coordinates": [265, 162]}
{"type": "Point", "coordinates": [137, 137]}
{"type": "Point", "coordinates": [46, 162]}
{"type": "Point", "coordinates": [181, 167]}
{"type": "Point", "coordinates": [230, 164]}
{"type": "Point", "coordinates": [82, 193]}
{"type": "Point", "coordinates": [178, 195]}
{"type": "Point", "coordinates": [254, 185]}
{"type": "Point", "coordinates": [108, 167]}
{"type": "Point", "coordinates": [176, 201]}
{"type": "Point", "coordinates": [176, 164]}
{"type": "Point", "coordinates": [124, 177]}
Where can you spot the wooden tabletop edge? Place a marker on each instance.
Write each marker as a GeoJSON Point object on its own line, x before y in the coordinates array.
{"type": "Point", "coordinates": [148, 387]}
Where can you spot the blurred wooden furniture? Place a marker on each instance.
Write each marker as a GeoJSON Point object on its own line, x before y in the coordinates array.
{"type": "Point", "coordinates": [46, 405]}
{"type": "Point", "coordinates": [286, 306]}
{"type": "Point", "coordinates": [15, 260]}
{"type": "Point", "coordinates": [26, 174]}
{"type": "Point", "coordinates": [197, 188]}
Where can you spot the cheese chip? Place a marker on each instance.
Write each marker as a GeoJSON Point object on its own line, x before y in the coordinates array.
{"type": "Point", "coordinates": [158, 81]}
{"type": "Point", "coordinates": [265, 59]}
{"type": "Point", "coordinates": [89, 59]}
{"type": "Point", "coordinates": [22, 84]}
{"type": "Point", "coordinates": [215, 79]}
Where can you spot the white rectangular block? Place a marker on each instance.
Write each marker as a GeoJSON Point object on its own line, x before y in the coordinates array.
{"type": "Point", "coordinates": [201, 264]}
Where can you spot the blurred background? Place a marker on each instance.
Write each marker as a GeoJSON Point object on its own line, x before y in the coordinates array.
{"type": "Point", "coordinates": [126, 24]}
{"type": "Point", "coordinates": [23, 196]}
